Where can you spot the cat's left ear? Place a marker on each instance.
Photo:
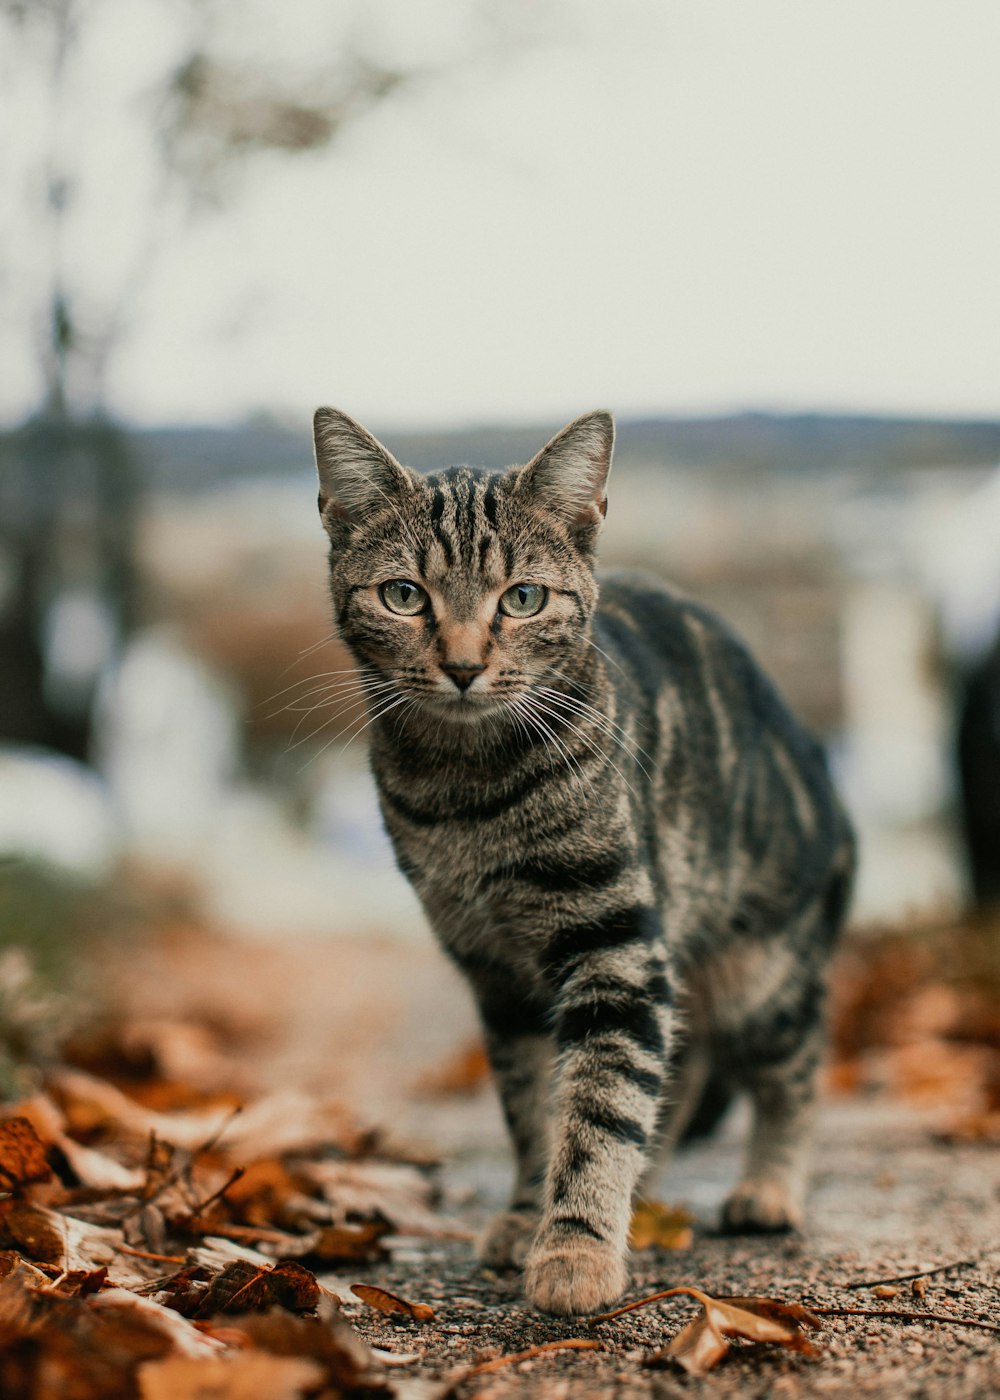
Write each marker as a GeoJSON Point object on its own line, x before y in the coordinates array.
{"type": "Point", "coordinates": [356, 473]}
{"type": "Point", "coordinates": [569, 476]}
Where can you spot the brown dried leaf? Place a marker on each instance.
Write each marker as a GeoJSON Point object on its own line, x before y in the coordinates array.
{"type": "Point", "coordinates": [703, 1343]}
{"type": "Point", "coordinates": [119, 1308]}
{"type": "Point", "coordinates": [22, 1155]}
{"type": "Point", "coordinates": [662, 1226]}
{"type": "Point", "coordinates": [386, 1302]}
{"type": "Point", "coordinates": [394, 1191]}
{"type": "Point", "coordinates": [247, 1375]}
{"type": "Point", "coordinates": [245, 1287]}
{"type": "Point", "coordinates": [350, 1362]}
{"type": "Point", "coordinates": [183, 1291]}
{"type": "Point", "coordinates": [42, 1114]}
{"type": "Point", "coordinates": [351, 1244]}
{"type": "Point", "coordinates": [35, 1231]}
{"type": "Point", "coordinates": [80, 1283]}
{"type": "Point", "coordinates": [91, 1104]}
{"type": "Point", "coordinates": [83, 1348]}
{"type": "Point", "coordinates": [981, 1128]}
{"type": "Point", "coordinates": [464, 1072]}
{"type": "Point", "coordinates": [258, 1196]}
{"type": "Point", "coordinates": [98, 1170]}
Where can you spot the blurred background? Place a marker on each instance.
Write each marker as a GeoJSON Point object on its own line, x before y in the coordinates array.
{"type": "Point", "coordinates": [764, 235]}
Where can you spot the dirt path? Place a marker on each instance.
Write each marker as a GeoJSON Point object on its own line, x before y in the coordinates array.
{"type": "Point", "coordinates": [370, 1020]}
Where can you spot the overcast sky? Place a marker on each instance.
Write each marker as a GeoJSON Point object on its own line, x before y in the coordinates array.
{"type": "Point", "coordinates": [658, 207]}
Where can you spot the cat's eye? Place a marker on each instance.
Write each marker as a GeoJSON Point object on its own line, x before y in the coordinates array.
{"type": "Point", "coordinates": [401, 595]}
{"type": "Point", "coordinates": [523, 599]}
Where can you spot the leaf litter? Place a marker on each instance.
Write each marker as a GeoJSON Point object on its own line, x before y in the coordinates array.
{"type": "Point", "coordinates": [164, 1251]}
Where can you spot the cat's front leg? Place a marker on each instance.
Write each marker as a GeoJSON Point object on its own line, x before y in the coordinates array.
{"type": "Point", "coordinates": [613, 1026]}
{"type": "Point", "coordinates": [520, 1050]}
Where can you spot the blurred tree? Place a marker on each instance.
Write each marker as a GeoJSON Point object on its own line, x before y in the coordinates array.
{"type": "Point", "coordinates": [203, 107]}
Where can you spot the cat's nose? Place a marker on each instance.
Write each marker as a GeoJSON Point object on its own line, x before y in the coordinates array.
{"type": "Point", "coordinates": [463, 673]}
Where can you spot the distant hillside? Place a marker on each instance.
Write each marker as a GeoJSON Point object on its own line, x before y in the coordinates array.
{"type": "Point", "coordinates": [194, 458]}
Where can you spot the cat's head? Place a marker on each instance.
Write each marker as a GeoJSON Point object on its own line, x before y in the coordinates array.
{"type": "Point", "coordinates": [465, 588]}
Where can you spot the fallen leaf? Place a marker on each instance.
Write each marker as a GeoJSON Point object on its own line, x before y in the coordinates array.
{"type": "Point", "coordinates": [98, 1170]}
{"type": "Point", "coordinates": [704, 1341]}
{"type": "Point", "coordinates": [35, 1231]}
{"type": "Point", "coordinates": [397, 1192]}
{"type": "Point", "coordinates": [464, 1072]}
{"type": "Point", "coordinates": [135, 1310]}
{"type": "Point", "coordinates": [662, 1226]}
{"type": "Point", "coordinates": [349, 1362]}
{"type": "Point", "coordinates": [82, 1284]}
{"type": "Point", "coordinates": [983, 1128]}
{"type": "Point", "coordinates": [238, 1376]}
{"type": "Point", "coordinates": [52, 1237]}
{"type": "Point", "coordinates": [22, 1155]}
{"type": "Point", "coordinates": [245, 1287]}
{"type": "Point", "coordinates": [387, 1302]}
{"type": "Point", "coordinates": [91, 1104]}
{"type": "Point", "coordinates": [344, 1244]}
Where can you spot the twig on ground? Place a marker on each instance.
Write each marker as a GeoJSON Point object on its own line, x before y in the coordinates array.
{"type": "Point", "coordinates": [902, 1315]}
{"type": "Point", "coordinates": [145, 1254]}
{"type": "Point", "coordinates": [499, 1362]}
{"type": "Point", "coordinates": [185, 1164]}
{"type": "Point", "coordinates": [923, 1273]}
{"type": "Point", "coordinates": [630, 1307]}
{"type": "Point", "coordinates": [237, 1175]}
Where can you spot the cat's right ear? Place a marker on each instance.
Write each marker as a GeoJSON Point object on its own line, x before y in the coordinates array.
{"type": "Point", "coordinates": [569, 476]}
{"type": "Point", "coordinates": [356, 472]}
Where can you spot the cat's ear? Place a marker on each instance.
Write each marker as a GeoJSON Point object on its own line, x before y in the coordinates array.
{"type": "Point", "coordinates": [569, 476]}
{"type": "Point", "coordinates": [356, 472]}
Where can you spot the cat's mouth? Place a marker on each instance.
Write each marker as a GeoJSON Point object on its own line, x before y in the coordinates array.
{"type": "Point", "coordinates": [465, 706]}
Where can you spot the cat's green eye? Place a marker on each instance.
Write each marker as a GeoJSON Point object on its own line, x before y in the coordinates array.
{"type": "Point", "coordinates": [401, 595]}
{"type": "Point", "coordinates": [523, 599]}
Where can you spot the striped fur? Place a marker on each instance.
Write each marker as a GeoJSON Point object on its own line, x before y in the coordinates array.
{"type": "Point", "coordinates": [617, 830]}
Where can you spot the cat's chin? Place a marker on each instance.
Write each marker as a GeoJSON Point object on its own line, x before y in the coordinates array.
{"type": "Point", "coordinates": [464, 709]}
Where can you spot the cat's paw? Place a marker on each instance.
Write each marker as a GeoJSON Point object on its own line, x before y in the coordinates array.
{"type": "Point", "coordinates": [507, 1238]}
{"type": "Point", "coordinates": [762, 1207]}
{"type": "Point", "coordinates": [573, 1275]}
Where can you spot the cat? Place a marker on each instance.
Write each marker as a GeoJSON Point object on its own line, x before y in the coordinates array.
{"type": "Point", "coordinates": [617, 830]}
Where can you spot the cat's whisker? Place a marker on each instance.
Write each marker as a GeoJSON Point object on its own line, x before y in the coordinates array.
{"type": "Point", "coordinates": [588, 740]}
{"type": "Point", "coordinates": [307, 680]}
{"type": "Point", "coordinates": [385, 708]}
{"type": "Point", "coordinates": [409, 700]}
{"type": "Point", "coordinates": [599, 716]}
{"type": "Point", "coordinates": [324, 697]}
{"type": "Point", "coordinates": [528, 710]}
{"type": "Point", "coordinates": [329, 690]}
{"type": "Point", "coordinates": [601, 652]}
{"type": "Point", "coordinates": [607, 726]}
{"type": "Point", "coordinates": [592, 744]}
{"type": "Point", "coordinates": [308, 651]}
{"type": "Point", "coordinates": [344, 706]}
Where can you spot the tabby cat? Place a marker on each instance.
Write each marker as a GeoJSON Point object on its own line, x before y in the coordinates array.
{"type": "Point", "coordinates": [617, 830]}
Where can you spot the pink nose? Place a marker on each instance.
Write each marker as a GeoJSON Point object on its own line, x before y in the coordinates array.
{"type": "Point", "coordinates": [463, 673]}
